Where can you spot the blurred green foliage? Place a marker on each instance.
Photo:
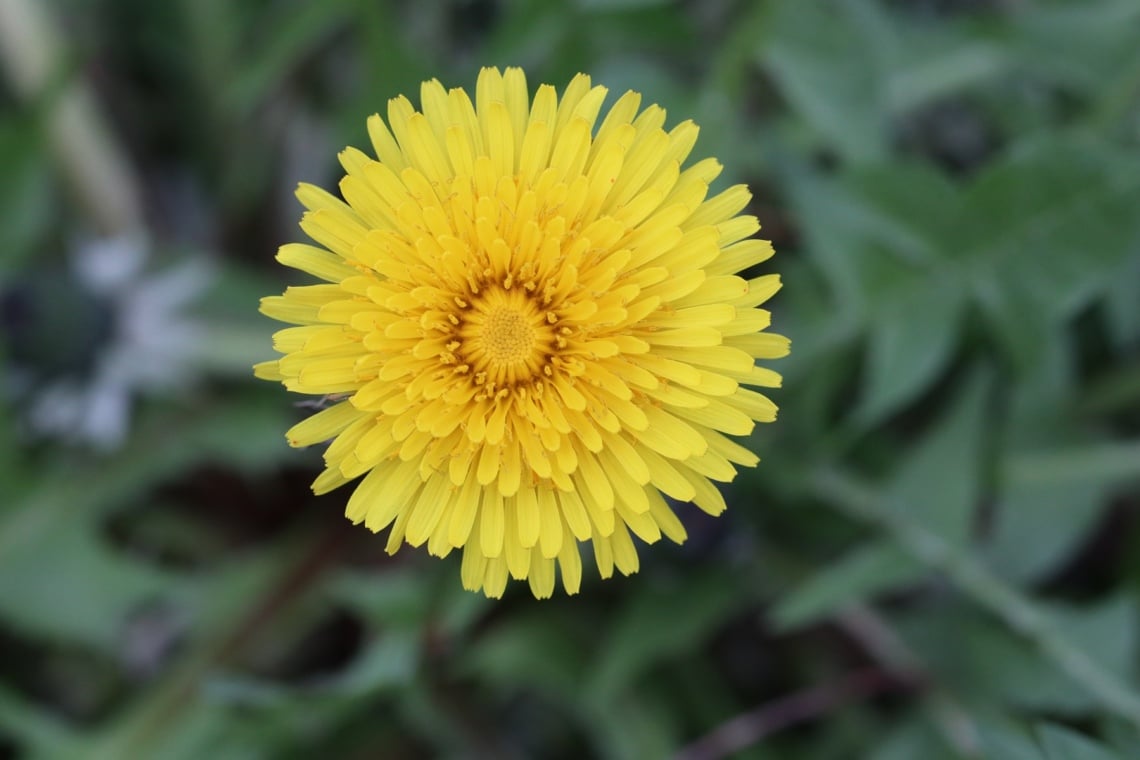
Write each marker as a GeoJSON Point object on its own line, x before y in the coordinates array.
{"type": "Point", "coordinates": [936, 558]}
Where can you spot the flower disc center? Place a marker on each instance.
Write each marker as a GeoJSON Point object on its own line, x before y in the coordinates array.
{"type": "Point", "coordinates": [508, 336]}
{"type": "Point", "coordinates": [504, 336]}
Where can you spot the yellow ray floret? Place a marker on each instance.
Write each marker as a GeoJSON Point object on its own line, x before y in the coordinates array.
{"type": "Point", "coordinates": [532, 329]}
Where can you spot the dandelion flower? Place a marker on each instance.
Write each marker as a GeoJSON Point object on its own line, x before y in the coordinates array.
{"type": "Point", "coordinates": [532, 326]}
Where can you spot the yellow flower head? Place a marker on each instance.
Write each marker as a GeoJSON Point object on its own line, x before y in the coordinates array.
{"type": "Point", "coordinates": [532, 326]}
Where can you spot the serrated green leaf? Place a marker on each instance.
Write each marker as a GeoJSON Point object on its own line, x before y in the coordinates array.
{"type": "Point", "coordinates": [862, 573]}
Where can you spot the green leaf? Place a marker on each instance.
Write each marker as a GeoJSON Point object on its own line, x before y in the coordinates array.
{"type": "Point", "coordinates": [910, 740]}
{"type": "Point", "coordinates": [632, 728]}
{"type": "Point", "coordinates": [85, 594]}
{"type": "Point", "coordinates": [957, 65]}
{"type": "Point", "coordinates": [389, 598]}
{"type": "Point", "coordinates": [1065, 744]}
{"type": "Point", "coordinates": [388, 661]}
{"type": "Point", "coordinates": [658, 624]}
{"type": "Point", "coordinates": [911, 341]}
{"type": "Point", "coordinates": [1050, 502]}
{"type": "Point", "coordinates": [42, 733]}
{"type": "Point", "coordinates": [1123, 738]}
{"type": "Point", "coordinates": [1049, 227]}
{"type": "Point", "coordinates": [938, 484]}
{"type": "Point", "coordinates": [290, 37]}
{"type": "Point", "coordinates": [838, 236]}
{"type": "Point", "coordinates": [1036, 529]}
{"type": "Point", "coordinates": [540, 650]}
{"type": "Point", "coordinates": [871, 569]}
{"type": "Point", "coordinates": [822, 67]}
{"type": "Point", "coordinates": [25, 194]}
{"type": "Point", "coordinates": [1124, 303]}
{"type": "Point", "coordinates": [1080, 45]}
{"type": "Point", "coordinates": [983, 661]}
{"type": "Point", "coordinates": [618, 5]}
{"type": "Point", "coordinates": [1002, 741]}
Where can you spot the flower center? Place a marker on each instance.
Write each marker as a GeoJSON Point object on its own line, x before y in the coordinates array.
{"type": "Point", "coordinates": [507, 336]}
{"type": "Point", "coordinates": [504, 336]}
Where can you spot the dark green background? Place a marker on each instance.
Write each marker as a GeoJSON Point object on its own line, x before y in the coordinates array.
{"type": "Point", "coordinates": [936, 557]}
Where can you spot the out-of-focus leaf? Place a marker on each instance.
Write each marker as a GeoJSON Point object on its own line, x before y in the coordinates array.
{"type": "Point", "coordinates": [1124, 302]}
{"type": "Point", "coordinates": [939, 481]}
{"type": "Point", "coordinates": [914, 206]}
{"type": "Point", "coordinates": [389, 660]}
{"type": "Point", "coordinates": [841, 227]}
{"type": "Point", "coordinates": [533, 650]}
{"type": "Point", "coordinates": [633, 728]}
{"type": "Point", "coordinates": [884, 239]}
{"type": "Point", "coordinates": [26, 209]}
{"type": "Point", "coordinates": [1035, 529]}
{"type": "Point", "coordinates": [910, 740]}
{"type": "Point", "coordinates": [1052, 223]}
{"type": "Point", "coordinates": [983, 661]}
{"type": "Point", "coordinates": [85, 594]}
{"type": "Point", "coordinates": [618, 5]}
{"type": "Point", "coordinates": [86, 591]}
{"type": "Point", "coordinates": [41, 733]}
{"type": "Point", "coordinates": [939, 73]}
{"type": "Point", "coordinates": [1001, 741]}
{"type": "Point", "coordinates": [1051, 500]}
{"type": "Point", "coordinates": [390, 598]}
{"type": "Point", "coordinates": [657, 624]}
{"type": "Point", "coordinates": [1124, 738]}
{"type": "Point", "coordinates": [911, 339]}
{"type": "Point", "coordinates": [289, 37]}
{"type": "Point", "coordinates": [1105, 463]}
{"type": "Point", "coordinates": [937, 485]}
{"type": "Point", "coordinates": [1078, 45]}
{"type": "Point", "coordinates": [868, 570]}
{"type": "Point", "coordinates": [1065, 744]}
{"type": "Point", "coordinates": [221, 607]}
{"type": "Point", "coordinates": [827, 72]}
{"type": "Point", "coordinates": [231, 349]}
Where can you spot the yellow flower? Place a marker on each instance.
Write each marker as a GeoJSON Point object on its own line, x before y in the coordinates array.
{"type": "Point", "coordinates": [532, 326]}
